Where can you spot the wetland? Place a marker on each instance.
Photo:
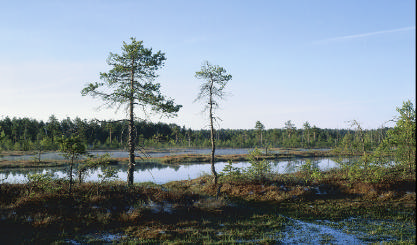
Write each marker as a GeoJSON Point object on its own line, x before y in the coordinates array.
{"type": "Point", "coordinates": [177, 203]}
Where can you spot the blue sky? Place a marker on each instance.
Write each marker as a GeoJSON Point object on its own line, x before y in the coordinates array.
{"type": "Point", "coordinates": [325, 62]}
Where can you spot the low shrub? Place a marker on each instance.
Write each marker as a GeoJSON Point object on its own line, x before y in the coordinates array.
{"type": "Point", "coordinates": [260, 169]}
{"type": "Point", "coordinates": [44, 182]}
{"type": "Point", "coordinates": [230, 173]}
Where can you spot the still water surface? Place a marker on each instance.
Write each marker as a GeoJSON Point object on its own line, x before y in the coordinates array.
{"type": "Point", "coordinates": [161, 174]}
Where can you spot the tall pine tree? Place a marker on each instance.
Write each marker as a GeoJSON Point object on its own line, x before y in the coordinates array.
{"type": "Point", "coordinates": [130, 83]}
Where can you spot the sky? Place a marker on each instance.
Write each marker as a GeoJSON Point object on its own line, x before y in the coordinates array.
{"type": "Point", "coordinates": [323, 61]}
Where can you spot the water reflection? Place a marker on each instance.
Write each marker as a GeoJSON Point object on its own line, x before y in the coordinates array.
{"type": "Point", "coordinates": [123, 154]}
{"type": "Point", "coordinates": [160, 174]}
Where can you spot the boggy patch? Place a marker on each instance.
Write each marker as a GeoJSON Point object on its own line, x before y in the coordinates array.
{"type": "Point", "coordinates": [89, 207]}
{"type": "Point", "coordinates": [261, 192]}
{"type": "Point", "coordinates": [387, 190]}
{"type": "Point", "coordinates": [187, 211]}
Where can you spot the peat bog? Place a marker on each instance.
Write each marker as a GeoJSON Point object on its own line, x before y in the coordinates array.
{"type": "Point", "coordinates": [189, 212]}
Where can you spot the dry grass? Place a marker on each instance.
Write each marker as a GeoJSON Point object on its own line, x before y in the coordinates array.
{"type": "Point", "coordinates": [32, 164]}
{"type": "Point", "coordinates": [174, 159]}
{"type": "Point", "coordinates": [188, 212]}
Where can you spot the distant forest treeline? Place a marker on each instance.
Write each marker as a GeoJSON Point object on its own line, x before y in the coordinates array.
{"type": "Point", "coordinates": [30, 134]}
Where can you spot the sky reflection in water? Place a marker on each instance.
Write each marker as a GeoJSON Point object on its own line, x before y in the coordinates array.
{"type": "Point", "coordinates": [161, 174]}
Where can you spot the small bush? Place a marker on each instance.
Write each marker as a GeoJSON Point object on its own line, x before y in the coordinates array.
{"type": "Point", "coordinates": [311, 170]}
{"type": "Point", "coordinates": [108, 174]}
{"type": "Point", "coordinates": [43, 183]}
{"type": "Point", "coordinates": [259, 169]}
{"type": "Point", "coordinates": [231, 173]}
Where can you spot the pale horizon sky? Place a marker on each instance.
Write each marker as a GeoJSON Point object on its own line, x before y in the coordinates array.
{"type": "Point", "coordinates": [326, 62]}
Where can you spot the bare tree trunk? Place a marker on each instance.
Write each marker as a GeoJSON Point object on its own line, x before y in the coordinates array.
{"type": "Point", "coordinates": [131, 168]}
{"type": "Point", "coordinates": [261, 138]}
{"type": "Point", "coordinates": [213, 143]}
{"type": "Point", "coordinates": [80, 176]}
{"type": "Point", "coordinates": [71, 166]}
{"type": "Point", "coordinates": [110, 134]}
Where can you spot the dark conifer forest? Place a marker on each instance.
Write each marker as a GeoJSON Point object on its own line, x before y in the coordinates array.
{"type": "Point", "coordinates": [26, 134]}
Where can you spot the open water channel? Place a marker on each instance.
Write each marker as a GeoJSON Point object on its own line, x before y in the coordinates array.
{"type": "Point", "coordinates": [154, 172]}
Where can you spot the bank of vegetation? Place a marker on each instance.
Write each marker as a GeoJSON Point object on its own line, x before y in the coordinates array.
{"type": "Point", "coordinates": [26, 134]}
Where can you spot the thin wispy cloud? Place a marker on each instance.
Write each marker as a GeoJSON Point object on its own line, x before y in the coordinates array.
{"type": "Point", "coordinates": [363, 35]}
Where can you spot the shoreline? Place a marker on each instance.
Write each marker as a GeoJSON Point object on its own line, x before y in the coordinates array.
{"type": "Point", "coordinates": [177, 159]}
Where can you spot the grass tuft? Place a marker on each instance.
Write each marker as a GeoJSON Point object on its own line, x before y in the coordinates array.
{"type": "Point", "coordinates": [188, 212]}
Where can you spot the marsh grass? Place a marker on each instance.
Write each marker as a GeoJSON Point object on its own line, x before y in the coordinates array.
{"type": "Point", "coordinates": [187, 212]}
{"type": "Point", "coordinates": [32, 163]}
{"type": "Point", "coordinates": [174, 159]}
{"type": "Point", "coordinates": [184, 158]}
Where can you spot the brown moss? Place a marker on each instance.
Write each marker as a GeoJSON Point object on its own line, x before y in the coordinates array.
{"type": "Point", "coordinates": [95, 206]}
